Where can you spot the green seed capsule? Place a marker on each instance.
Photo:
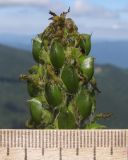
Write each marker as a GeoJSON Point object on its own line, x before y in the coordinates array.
{"type": "Point", "coordinates": [57, 54]}
{"type": "Point", "coordinates": [84, 103]}
{"type": "Point", "coordinates": [87, 66]}
{"type": "Point", "coordinates": [47, 117]}
{"type": "Point", "coordinates": [33, 90]}
{"type": "Point", "coordinates": [85, 43]}
{"type": "Point", "coordinates": [53, 94]}
{"type": "Point", "coordinates": [42, 99]}
{"type": "Point", "coordinates": [70, 79]}
{"type": "Point", "coordinates": [33, 85]}
{"type": "Point", "coordinates": [66, 120]}
{"type": "Point", "coordinates": [93, 99]}
{"type": "Point", "coordinates": [95, 126]}
{"type": "Point", "coordinates": [36, 49]}
{"type": "Point", "coordinates": [33, 69]}
{"type": "Point", "coordinates": [37, 70]}
{"type": "Point", "coordinates": [35, 107]}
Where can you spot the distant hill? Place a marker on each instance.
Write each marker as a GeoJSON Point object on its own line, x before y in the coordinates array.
{"type": "Point", "coordinates": [111, 80]}
{"type": "Point", "coordinates": [13, 93]}
{"type": "Point", "coordinates": [17, 41]}
{"type": "Point", "coordinates": [112, 52]}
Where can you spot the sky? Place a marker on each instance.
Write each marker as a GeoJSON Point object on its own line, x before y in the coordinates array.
{"type": "Point", "coordinates": [105, 19]}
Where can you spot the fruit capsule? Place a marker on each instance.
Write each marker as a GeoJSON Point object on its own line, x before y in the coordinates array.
{"type": "Point", "coordinates": [53, 94]}
{"type": "Point", "coordinates": [57, 54]}
{"type": "Point", "coordinates": [34, 85]}
{"type": "Point", "coordinates": [66, 120]}
{"type": "Point", "coordinates": [36, 49]}
{"type": "Point", "coordinates": [87, 66]}
{"type": "Point", "coordinates": [35, 107]}
{"type": "Point", "coordinates": [37, 70]}
{"type": "Point", "coordinates": [85, 43]}
{"type": "Point", "coordinates": [84, 103]}
{"type": "Point", "coordinates": [47, 117]}
{"type": "Point", "coordinates": [70, 79]}
{"type": "Point", "coordinates": [33, 90]}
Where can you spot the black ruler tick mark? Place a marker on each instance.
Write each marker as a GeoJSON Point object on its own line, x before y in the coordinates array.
{"type": "Point", "coordinates": [7, 143]}
{"type": "Point", "coordinates": [94, 149]}
{"type": "Point", "coordinates": [111, 152]}
{"type": "Point", "coordinates": [77, 149]}
{"type": "Point", "coordinates": [60, 153]}
{"type": "Point", "coordinates": [25, 151]}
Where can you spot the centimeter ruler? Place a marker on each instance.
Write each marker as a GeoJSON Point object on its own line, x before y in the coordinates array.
{"type": "Point", "coordinates": [99, 144]}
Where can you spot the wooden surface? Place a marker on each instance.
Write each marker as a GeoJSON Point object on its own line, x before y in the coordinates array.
{"type": "Point", "coordinates": [64, 144]}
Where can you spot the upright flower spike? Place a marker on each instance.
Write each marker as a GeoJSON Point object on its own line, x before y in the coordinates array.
{"type": "Point", "coordinates": [62, 83]}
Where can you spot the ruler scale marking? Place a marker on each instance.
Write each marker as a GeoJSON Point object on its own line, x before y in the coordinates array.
{"type": "Point", "coordinates": [101, 140]}
{"type": "Point", "coordinates": [115, 141]}
{"type": "Point", "coordinates": [4, 138]}
{"type": "Point", "coordinates": [94, 149]}
{"type": "Point", "coordinates": [87, 139]}
{"type": "Point", "coordinates": [81, 139]}
{"type": "Point", "coordinates": [84, 140]}
{"type": "Point", "coordinates": [104, 138]}
{"type": "Point", "coordinates": [97, 138]}
{"type": "Point", "coordinates": [111, 152]}
{"type": "Point", "coordinates": [29, 139]}
{"type": "Point", "coordinates": [107, 138]}
{"type": "Point", "coordinates": [90, 139]}
{"type": "Point", "coordinates": [8, 149]}
{"type": "Point", "coordinates": [125, 139]}
{"type": "Point", "coordinates": [11, 139]}
{"type": "Point", "coordinates": [60, 151]}
{"type": "Point", "coordinates": [77, 146]}
{"type": "Point", "coordinates": [121, 136]}
{"type": "Point", "coordinates": [25, 154]}
{"type": "Point", "coordinates": [15, 137]}
{"type": "Point", "coordinates": [64, 141]}
{"type": "Point", "coordinates": [18, 138]}
{"type": "Point", "coordinates": [118, 138]}
{"type": "Point", "coordinates": [42, 143]}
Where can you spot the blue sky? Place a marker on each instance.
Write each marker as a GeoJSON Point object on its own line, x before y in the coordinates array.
{"type": "Point", "coordinates": [106, 19]}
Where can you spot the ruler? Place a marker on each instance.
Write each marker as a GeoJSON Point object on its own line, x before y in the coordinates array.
{"type": "Point", "coordinates": [52, 144]}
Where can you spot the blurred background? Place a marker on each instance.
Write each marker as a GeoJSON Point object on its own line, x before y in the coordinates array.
{"type": "Point", "coordinates": [21, 20]}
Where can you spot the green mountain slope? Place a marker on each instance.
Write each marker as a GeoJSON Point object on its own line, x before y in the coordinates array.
{"type": "Point", "coordinates": [114, 97]}
{"type": "Point", "coordinates": [13, 93]}
{"type": "Point", "coordinates": [111, 80]}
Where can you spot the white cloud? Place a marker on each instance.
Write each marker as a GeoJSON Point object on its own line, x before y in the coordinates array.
{"type": "Point", "coordinates": [24, 2]}
{"type": "Point", "coordinates": [89, 17]}
{"type": "Point", "coordinates": [84, 8]}
{"type": "Point", "coordinates": [115, 26]}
